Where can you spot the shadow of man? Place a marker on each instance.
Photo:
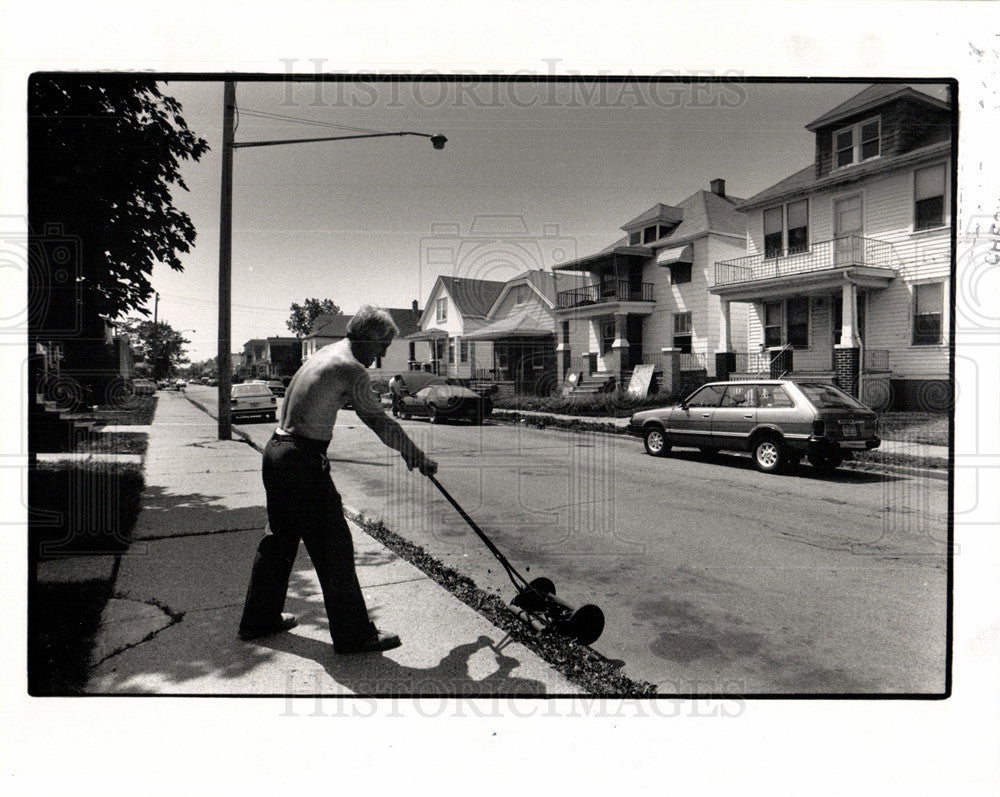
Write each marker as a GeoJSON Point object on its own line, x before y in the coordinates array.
{"type": "Point", "coordinates": [378, 675]}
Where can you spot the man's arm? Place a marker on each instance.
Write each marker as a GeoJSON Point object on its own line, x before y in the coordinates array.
{"type": "Point", "coordinates": [369, 410]}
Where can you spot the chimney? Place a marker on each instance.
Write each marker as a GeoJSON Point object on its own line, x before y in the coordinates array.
{"type": "Point", "coordinates": [718, 186]}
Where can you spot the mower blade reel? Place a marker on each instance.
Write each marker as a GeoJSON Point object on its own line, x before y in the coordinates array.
{"type": "Point", "coordinates": [536, 596]}
{"type": "Point", "coordinates": [585, 625]}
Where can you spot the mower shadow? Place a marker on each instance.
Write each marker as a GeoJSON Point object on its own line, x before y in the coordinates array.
{"type": "Point", "coordinates": [378, 675]}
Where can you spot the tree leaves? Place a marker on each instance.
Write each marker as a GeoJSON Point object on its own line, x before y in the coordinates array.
{"type": "Point", "coordinates": [104, 153]}
{"type": "Point", "coordinates": [304, 315]}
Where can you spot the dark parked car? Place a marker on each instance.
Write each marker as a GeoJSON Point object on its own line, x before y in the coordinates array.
{"type": "Point", "coordinates": [777, 420]}
{"type": "Point", "coordinates": [441, 401]}
{"type": "Point", "coordinates": [143, 387]}
{"type": "Point", "coordinates": [277, 388]}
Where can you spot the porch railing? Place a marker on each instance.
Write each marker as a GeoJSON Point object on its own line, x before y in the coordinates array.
{"type": "Point", "coordinates": [850, 250]}
{"type": "Point", "coordinates": [874, 361]}
{"type": "Point", "coordinates": [619, 291]}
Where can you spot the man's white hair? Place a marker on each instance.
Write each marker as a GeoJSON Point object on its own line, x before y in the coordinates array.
{"type": "Point", "coordinates": [372, 324]}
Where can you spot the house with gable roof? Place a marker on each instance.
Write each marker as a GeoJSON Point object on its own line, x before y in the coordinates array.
{"type": "Point", "coordinates": [646, 295]}
{"type": "Point", "coordinates": [327, 329]}
{"type": "Point", "coordinates": [455, 307]}
{"type": "Point", "coordinates": [848, 261]}
{"type": "Point", "coordinates": [523, 330]}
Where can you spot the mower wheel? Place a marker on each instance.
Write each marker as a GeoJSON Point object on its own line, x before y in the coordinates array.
{"type": "Point", "coordinates": [586, 624]}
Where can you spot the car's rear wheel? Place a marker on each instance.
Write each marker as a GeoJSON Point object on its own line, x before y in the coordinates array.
{"type": "Point", "coordinates": [768, 455]}
{"type": "Point", "coordinates": [826, 463]}
{"type": "Point", "coordinates": [656, 442]}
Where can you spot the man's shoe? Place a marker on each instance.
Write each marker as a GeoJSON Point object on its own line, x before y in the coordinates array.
{"type": "Point", "coordinates": [375, 643]}
{"type": "Point", "coordinates": [286, 622]}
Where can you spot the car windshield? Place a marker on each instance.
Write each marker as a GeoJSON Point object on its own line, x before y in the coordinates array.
{"type": "Point", "coordinates": [825, 396]}
{"type": "Point", "coordinates": [251, 390]}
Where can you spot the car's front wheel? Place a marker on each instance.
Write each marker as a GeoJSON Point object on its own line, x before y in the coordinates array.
{"type": "Point", "coordinates": [656, 442]}
{"type": "Point", "coordinates": [432, 414]}
{"type": "Point", "coordinates": [768, 455]}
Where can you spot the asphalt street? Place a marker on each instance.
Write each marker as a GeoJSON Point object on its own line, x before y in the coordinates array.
{"type": "Point", "coordinates": [714, 578]}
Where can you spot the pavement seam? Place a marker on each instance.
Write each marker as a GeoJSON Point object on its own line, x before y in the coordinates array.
{"type": "Point", "coordinates": [196, 534]}
{"type": "Point", "coordinates": [174, 617]}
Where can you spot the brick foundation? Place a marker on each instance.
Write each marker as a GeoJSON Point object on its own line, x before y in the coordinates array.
{"type": "Point", "coordinates": [847, 367]}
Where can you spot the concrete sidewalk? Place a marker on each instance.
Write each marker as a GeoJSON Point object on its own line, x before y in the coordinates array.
{"type": "Point", "coordinates": [171, 626]}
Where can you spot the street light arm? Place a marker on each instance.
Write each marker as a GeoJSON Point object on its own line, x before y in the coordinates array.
{"type": "Point", "coordinates": [436, 139]}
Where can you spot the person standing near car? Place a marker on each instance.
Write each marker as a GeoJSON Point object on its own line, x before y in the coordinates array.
{"type": "Point", "coordinates": [302, 501]}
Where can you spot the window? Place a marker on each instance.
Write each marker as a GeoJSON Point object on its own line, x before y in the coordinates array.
{"type": "Point", "coordinates": [441, 309]}
{"type": "Point", "coordinates": [772, 324]}
{"type": "Point", "coordinates": [649, 234]}
{"type": "Point", "coordinates": [787, 322]}
{"type": "Point", "coordinates": [708, 396]}
{"type": "Point", "coordinates": [857, 143]}
{"type": "Point", "coordinates": [928, 304]}
{"type": "Point", "coordinates": [451, 350]}
{"type": "Point", "coordinates": [793, 217]}
{"type": "Point", "coordinates": [634, 238]}
{"type": "Point", "coordinates": [928, 196]}
{"type": "Point", "coordinates": [773, 232]}
{"type": "Point", "coordinates": [739, 396]}
{"type": "Point", "coordinates": [797, 324]}
{"type": "Point", "coordinates": [520, 294]}
{"type": "Point", "coordinates": [772, 396]}
{"type": "Point", "coordinates": [798, 226]}
{"type": "Point", "coordinates": [607, 336]}
{"type": "Point", "coordinates": [682, 332]}
{"type": "Point", "coordinates": [463, 350]}
{"type": "Point", "coordinates": [679, 273]}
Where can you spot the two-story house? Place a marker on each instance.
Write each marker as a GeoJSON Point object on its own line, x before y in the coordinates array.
{"type": "Point", "coordinates": [848, 261]}
{"type": "Point", "coordinates": [455, 306]}
{"type": "Point", "coordinates": [648, 292]}
{"type": "Point", "coordinates": [272, 358]}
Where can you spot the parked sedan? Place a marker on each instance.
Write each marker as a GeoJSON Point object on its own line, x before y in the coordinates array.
{"type": "Point", "coordinates": [277, 388]}
{"type": "Point", "coordinates": [778, 421]}
{"type": "Point", "coordinates": [253, 400]}
{"type": "Point", "coordinates": [439, 402]}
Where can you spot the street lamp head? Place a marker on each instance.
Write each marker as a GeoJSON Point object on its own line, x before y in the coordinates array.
{"type": "Point", "coordinates": [438, 141]}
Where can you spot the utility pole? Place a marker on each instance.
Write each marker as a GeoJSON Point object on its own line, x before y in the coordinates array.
{"type": "Point", "coordinates": [223, 360]}
{"type": "Point", "coordinates": [156, 305]}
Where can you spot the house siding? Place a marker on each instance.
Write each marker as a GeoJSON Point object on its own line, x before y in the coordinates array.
{"type": "Point", "coordinates": [924, 256]}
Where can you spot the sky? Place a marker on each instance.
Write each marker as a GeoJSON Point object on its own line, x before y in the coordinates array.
{"type": "Point", "coordinates": [557, 168]}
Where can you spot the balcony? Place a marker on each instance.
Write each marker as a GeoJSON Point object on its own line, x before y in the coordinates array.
{"type": "Point", "coordinates": [606, 293]}
{"type": "Point", "coordinates": [821, 258]}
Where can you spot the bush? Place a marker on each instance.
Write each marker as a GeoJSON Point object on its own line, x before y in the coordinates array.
{"type": "Point", "coordinates": [617, 405]}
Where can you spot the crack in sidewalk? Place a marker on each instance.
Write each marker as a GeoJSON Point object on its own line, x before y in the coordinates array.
{"type": "Point", "coordinates": [174, 617]}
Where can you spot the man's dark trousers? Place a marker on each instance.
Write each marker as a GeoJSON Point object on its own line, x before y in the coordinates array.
{"type": "Point", "coordinates": [302, 503]}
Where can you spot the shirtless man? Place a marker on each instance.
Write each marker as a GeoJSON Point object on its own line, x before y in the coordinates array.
{"type": "Point", "coordinates": [302, 502]}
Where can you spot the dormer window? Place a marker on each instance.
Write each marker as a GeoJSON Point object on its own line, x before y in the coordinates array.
{"type": "Point", "coordinates": [441, 309]}
{"type": "Point", "coordinates": [858, 143]}
{"type": "Point", "coordinates": [649, 234]}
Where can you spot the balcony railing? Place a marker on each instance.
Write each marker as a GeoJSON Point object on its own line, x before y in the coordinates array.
{"type": "Point", "coordinates": [851, 250]}
{"type": "Point", "coordinates": [619, 291]}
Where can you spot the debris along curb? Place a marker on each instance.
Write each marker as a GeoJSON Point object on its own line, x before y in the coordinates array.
{"type": "Point", "coordinates": [578, 663]}
{"type": "Point", "coordinates": [930, 467]}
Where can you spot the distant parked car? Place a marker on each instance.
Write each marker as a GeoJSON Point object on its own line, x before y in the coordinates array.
{"type": "Point", "coordinates": [276, 387]}
{"type": "Point", "coordinates": [143, 387]}
{"type": "Point", "coordinates": [163, 384]}
{"type": "Point", "coordinates": [212, 382]}
{"type": "Point", "coordinates": [777, 421]}
{"type": "Point", "coordinates": [180, 384]}
{"type": "Point", "coordinates": [445, 402]}
{"type": "Point", "coordinates": [252, 400]}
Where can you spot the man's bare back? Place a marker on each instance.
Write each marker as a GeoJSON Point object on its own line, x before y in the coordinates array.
{"type": "Point", "coordinates": [323, 384]}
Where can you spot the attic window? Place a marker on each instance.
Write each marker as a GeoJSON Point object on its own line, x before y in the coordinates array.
{"type": "Point", "coordinates": [857, 143]}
